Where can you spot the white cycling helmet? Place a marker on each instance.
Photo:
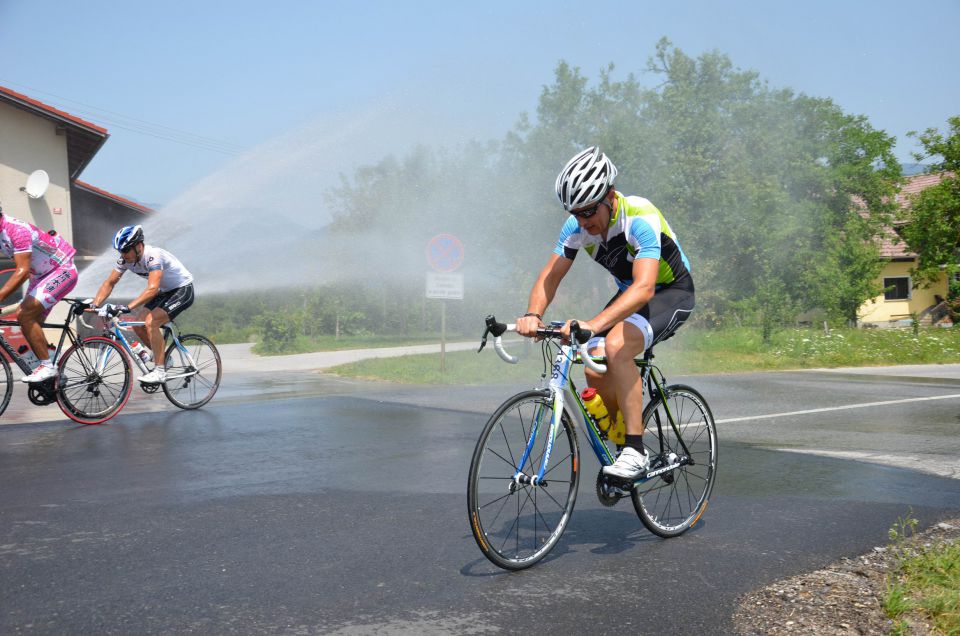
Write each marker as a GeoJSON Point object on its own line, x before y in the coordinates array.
{"type": "Point", "coordinates": [585, 179]}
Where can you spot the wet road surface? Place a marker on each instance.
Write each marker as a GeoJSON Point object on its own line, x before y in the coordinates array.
{"type": "Point", "coordinates": [332, 506]}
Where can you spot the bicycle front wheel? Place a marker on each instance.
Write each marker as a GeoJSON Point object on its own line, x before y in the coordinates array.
{"type": "Point", "coordinates": [193, 372]}
{"type": "Point", "coordinates": [94, 380]}
{"type": "Point", "coordinates": [6, 384]}
{"type": "Point", "coordinates": [514, 522]}
{"type": "Point", "coordinates": [671, 503]}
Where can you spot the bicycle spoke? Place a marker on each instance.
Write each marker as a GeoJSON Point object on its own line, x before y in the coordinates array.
{"type": "Point", "coordinates": [193, 371]}
{"type": "Point", "coordinates": [93, 381]}
{"type": "Point", "coordinates": [671, 502]}
{"type": "Point", "coordinates": [518, 527]}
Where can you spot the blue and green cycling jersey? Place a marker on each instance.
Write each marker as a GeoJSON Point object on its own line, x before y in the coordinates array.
{"type": "Point", "coordinates": [637, 230]}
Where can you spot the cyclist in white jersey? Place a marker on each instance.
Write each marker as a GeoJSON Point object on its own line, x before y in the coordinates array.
{"type": "Point", "coordinates": [630, 238]}
{"type": "Point", "coordinates": [169, 291]}
{"type": "Point", "coordinates": [46, 260]}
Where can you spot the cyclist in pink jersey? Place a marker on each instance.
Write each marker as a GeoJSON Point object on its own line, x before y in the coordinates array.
{"type": "Point", "coordinates": [47, 261]}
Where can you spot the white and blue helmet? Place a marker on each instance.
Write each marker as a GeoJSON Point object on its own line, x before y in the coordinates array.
{"type": "Point", "coordinates": [585, 179]}
{"type": "Point", "coordinates": [127, 236]}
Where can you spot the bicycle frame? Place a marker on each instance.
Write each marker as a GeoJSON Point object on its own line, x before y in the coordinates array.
{"type": "Point", "coordinates": [563, 391]}
{"type": "Point", "coordinates": [115, 330]}
{"type": "Point", "coordinates": [16, 358]}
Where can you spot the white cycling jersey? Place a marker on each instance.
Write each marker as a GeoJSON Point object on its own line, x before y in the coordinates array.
{"type": "Point", "coordinates": [175, 275]}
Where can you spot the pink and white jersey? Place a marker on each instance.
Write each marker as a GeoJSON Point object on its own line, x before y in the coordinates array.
{"type": "Point", "coordinates": [47, 253]}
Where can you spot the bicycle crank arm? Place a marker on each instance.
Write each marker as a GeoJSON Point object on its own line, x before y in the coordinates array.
{"type": "Point", "coordinates": [684, 461]}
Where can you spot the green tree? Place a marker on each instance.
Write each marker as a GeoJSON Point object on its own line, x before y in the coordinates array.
{"type": "Point", "coordinates": [776, 197]}
{"type": "Point", "coordinates": [762, 185]}
{"type": "Point", "coordinates": [933, 216]}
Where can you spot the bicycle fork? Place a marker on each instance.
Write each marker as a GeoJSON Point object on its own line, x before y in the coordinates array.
{"type": "Point", "coordinates": [521, 478]}
{"type": "Point", "coordinates": [558, 380]}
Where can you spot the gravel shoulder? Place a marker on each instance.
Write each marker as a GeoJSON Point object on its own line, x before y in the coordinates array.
{"type": "Point", "coordinates": [842, 599]}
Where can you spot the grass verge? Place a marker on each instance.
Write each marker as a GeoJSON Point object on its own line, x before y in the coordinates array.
{"type": "Point", "coordinates": [925, 583]}
{"type": "Point", "coordinates": [691, 352]}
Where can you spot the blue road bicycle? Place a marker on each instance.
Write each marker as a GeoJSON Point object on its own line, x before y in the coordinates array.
{"type": "Point", "coordinates": [191, 361]}
{"type": "Point", "coordinates": [525, 470]}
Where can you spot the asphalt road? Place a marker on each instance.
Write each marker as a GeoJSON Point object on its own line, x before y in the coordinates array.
{"type": "Point", "coordinates": [311, 504]}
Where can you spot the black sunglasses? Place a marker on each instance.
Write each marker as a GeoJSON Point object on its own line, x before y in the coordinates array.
{"type": "Point", "coordinates": [586, 214]}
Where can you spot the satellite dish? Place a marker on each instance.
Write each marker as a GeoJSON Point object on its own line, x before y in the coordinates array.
{"type": "Point", "coordinates": [37, 184]}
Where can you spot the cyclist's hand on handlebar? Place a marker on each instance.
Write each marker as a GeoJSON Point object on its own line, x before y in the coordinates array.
{"type": "Point", "coordinates": [527, 326]}
{"type": "Point", "coordinates": [110, 310]}
{"type": "Point", "coordinates": [583, 324]}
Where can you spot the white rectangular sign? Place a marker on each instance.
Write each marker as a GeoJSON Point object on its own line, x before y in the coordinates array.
{"type": "Point", "coordinates": [445, 286]}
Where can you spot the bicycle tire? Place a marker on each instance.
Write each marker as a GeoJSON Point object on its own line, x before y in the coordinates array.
{"type": "Point", "coordinates": [672, 503]}
{"type": "Point", "coordinates": [6, 378]}
{"type": "Point", "coordinates": [516, 525]}
{"type": "Point", "coordinates": [192, 391]}
{"type": "Point", "coordinates": [93, 380]}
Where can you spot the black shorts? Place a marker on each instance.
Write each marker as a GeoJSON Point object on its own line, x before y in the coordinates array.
{"type": "Point", "coordinates": [173, 301]}
{"type": "Point", "coordinates": [667, 310]}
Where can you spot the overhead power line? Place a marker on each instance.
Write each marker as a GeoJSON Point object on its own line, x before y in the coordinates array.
{"type": "Point", "coordinates": [102, 116]}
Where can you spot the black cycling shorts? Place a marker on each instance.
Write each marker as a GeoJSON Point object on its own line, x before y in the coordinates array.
{"type": "Point", "coordinates": [667, 310]}
{"type": "Point", "coordinates": [173, 301]}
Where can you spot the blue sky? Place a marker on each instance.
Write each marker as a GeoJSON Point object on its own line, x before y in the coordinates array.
{"type": "Point", "coordinates": [245, 73]}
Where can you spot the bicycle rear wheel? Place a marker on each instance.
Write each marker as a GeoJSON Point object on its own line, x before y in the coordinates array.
{"type": "Point", "coordinates": [6, 384]}
{"type": "Point", "coordinates": [516, 524]}
{"type": "Point", "coordinates": [94, 380]}
{"type": "Point", "coordinates": [671, 503]}
{"type": "Point", "coordinates": [193, 372]}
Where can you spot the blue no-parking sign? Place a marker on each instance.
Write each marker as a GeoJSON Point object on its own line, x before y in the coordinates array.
{"type": "Point", "coordinates": [445, 253]}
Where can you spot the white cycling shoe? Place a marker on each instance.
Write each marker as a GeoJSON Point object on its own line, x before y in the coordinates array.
{"type": "Point", "coordinates": [630, 464]}
{"type": "Point", "coordinates": [41, 373]}
{"type": "Point", "coordinates": [157, 376]}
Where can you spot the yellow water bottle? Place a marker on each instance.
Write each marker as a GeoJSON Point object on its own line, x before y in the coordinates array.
{"type": "Point", "coordinates": [618, 432]}
{"type": "Point", "coordinates": [595, 407]}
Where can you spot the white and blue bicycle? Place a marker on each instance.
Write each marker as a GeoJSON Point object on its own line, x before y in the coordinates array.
{"type": "Point", "coordinates": [526, 466]}
{"type": "Point", "coordinates": [191, 361]}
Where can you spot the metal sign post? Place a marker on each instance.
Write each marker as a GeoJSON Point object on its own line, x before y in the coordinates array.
{"type": "Point", "coordinates": [444, 255]}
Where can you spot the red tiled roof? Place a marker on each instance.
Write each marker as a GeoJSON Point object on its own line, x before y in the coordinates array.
{"type": "Point", "coordinates": [53, 111]}
{"type": "Point", "coordinates": [917, 183]}
{"type": "Point", "coordinates": [127, 202]}
{"type": "Point", "coordinates": [891, 246]}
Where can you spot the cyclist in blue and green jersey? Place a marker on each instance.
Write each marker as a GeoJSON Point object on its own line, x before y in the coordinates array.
{"type": "Point", "coordinates": [631, 238]}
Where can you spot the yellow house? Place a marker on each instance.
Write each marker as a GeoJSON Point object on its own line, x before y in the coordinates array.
{"type": "Point", "coordinates": [901, 302]}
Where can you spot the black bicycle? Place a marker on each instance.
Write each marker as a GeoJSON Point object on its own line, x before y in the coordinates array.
{"type": "Point", "coordinates": [93, 376]}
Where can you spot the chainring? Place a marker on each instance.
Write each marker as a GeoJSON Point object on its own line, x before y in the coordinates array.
{"type": "Point", "coordinates": [42, 394]}
{"type": "Point", "coordinates": [150, 388]}
{"type": "Point", "coordinates": [605, 491]}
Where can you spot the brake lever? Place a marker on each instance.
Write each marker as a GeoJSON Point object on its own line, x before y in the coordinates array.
{"type": "Point", "coordinates": [483, 341]}
{"type": "Point", "coordinates": [493, 327]}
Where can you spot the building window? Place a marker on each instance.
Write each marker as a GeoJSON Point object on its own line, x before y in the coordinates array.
{"type": "Point", "coordinates": [896, 288]}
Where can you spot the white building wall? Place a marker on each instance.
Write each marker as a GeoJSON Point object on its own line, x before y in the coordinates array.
{"type": "Point", "coordinates": [27, 143]}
